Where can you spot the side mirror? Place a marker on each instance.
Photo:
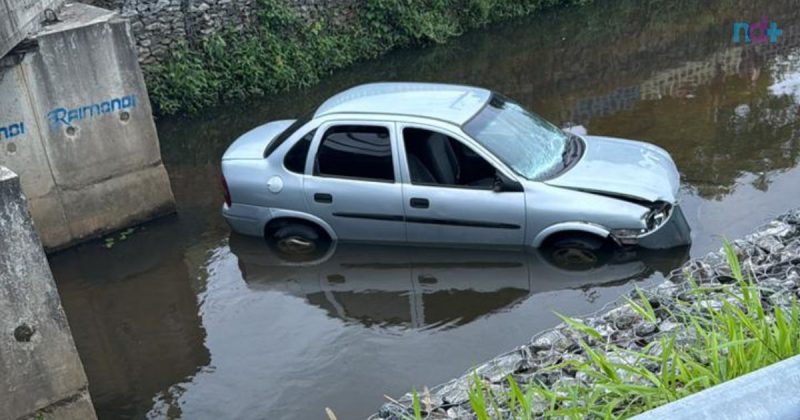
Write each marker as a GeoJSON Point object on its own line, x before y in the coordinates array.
{"type": "Point", "coordinates": [503, 183]}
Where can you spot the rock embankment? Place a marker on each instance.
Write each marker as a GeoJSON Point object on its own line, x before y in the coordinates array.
{"type": "Point", "coordinates": [770, 255]}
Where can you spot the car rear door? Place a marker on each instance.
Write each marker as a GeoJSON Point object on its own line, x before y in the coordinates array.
{"type": "Point", "coordinates": [459, 214]}
{"type": "Point", "coordinates": [354, 182]}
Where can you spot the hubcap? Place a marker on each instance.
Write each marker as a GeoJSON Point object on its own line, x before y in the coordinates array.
{"type": "Point", "coordinates": [574, 257]}
{"type": "Point", "coordinates": [296, 245]}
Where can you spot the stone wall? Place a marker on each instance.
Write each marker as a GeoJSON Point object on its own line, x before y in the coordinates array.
{"type": "Point", "coordinates": [76, 125]}
{"type": "Point", "coordinates": [159, 24]}
{"type": "Point", "coordinates": [41, 375]}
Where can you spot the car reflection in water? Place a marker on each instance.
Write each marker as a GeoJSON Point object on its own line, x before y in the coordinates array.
{"type": "Point", "coordinates": [411, 287]}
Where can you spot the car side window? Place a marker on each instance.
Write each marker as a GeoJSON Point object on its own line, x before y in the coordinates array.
{"type": "Point", "coordinates": [356, 151]}
{"type": "Point", "coordinates": [295, 160]}
{"type": "Point", "coordinates": [437, 159]}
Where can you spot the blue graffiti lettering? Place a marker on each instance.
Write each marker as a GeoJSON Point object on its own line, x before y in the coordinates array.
{"type": "Point", "coordinates": [129, 102]}
{"type": "Point", "coordinates": [90, 110]}
{"type": "Point", "coordinates": [63, 116]}
{"type": "Point", "coordinates": [12, 131]}
{"type": "Point", "coordinates": [57, 116]}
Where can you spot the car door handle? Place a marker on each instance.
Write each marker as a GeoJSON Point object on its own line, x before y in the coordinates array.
{"type": "Point", "coordinates": [427, 279]}
{"type": "Point", "coordinates": [420, 203]}
{"type": "Point", "coordinates": [323, 198]}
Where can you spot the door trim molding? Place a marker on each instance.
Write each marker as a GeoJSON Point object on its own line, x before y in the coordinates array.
{"type": "Point", "coordinates": [429, 220]}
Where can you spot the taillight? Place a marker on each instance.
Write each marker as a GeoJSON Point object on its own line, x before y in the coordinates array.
{"type": "Point", "coordinates": [225, 189]}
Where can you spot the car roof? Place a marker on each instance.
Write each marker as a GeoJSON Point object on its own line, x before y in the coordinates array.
{"type": "Point", "coordinates": [452, 103]}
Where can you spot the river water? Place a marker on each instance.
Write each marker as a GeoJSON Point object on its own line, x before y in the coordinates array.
{"type": "Point", "coordinates": [184, 320]}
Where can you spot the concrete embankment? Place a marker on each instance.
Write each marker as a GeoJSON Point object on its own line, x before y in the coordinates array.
{"type": "Point", "coordinates": [22, 18]}
{"type": "Point", "coordinates": [41, 376]}
{"type": "Point", "coordinates": [771, 255]}
{"type": "Point", "coordinates": [76, 125]}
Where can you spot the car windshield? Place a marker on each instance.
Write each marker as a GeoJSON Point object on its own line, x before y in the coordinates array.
{"type": "Point", "coordinates": [526, 142]}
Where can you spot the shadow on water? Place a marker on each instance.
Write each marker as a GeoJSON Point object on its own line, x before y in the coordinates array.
{"type": "Point", "coordinates": [184, 320]}
{"type": "Point", "coordinates": [134, 318]}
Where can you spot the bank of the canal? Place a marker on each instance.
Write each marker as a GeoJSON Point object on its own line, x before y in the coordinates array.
{"type": "Point", "coordinates": [667, 331]}
{"type": "Point", "coordinates": [181, 319]}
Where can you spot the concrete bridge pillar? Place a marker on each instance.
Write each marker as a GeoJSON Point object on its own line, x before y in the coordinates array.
{"type": "Point", "coordinates": [41, 376]}
{"type": "Point", "coordinates": [21, 18]}
{"type": "Point", "coordinates": [76, 125]}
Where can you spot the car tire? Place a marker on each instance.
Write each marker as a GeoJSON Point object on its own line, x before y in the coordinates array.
{"type": "Point", "coordinates": [577, 252]}
{"type": "Point", "coordinates": [298, 242]}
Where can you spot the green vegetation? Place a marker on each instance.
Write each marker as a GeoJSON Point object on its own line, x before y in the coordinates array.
{"type": "Point", "coordinates": [283, 52]}
{"type": "Point", "coordinates": [738, 337]}
{"type": "Point", "coordinates": [112, 240]}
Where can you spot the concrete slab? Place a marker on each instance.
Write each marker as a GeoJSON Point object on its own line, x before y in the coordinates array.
{"type": "Point", "coordinates": [98, 124]}
{"type": "Point", "coordinates": [123, 200]}
{"type": "Point", "coordinates": [39, 365]}
{"type": "Point", "coordinates": [23, 149]}
{"type": "Point", "coordinates": [20, 19]}
{"type": "Point", "coordinates": [78, 407]}
{"type": "Point", "coordinates": [76, 124]}
{"type": "Point", "coordinates": [19, 134]}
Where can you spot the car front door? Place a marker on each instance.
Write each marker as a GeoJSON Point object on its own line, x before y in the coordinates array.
{"type": "Point", "coordinates": [354, 183]}
{"type": "Point", "coordinates": [448, 193]}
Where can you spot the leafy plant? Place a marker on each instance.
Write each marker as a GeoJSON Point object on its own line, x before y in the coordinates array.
{"type": "Point", "coordinates": [111, 240]}
{"type": "Point", "coordinates": [739, 336]}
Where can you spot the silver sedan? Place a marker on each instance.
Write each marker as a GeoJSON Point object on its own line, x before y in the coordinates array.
{"type": "Point", "coordinates": [447, 165]}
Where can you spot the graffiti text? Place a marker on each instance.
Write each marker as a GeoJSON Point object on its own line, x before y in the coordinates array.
{"type": "Point", "coordinates": [59, 116]}
{"type": "Point", "coordinates": [12, 131]}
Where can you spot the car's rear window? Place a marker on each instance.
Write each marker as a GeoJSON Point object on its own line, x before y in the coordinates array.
{"type": "Point", "coordinates": [295, 159]}
{"type": "Point", "coordinates": [282, 137]}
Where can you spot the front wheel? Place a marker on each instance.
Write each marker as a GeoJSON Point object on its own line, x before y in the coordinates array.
{"type": "Point", "coordinates": [577, 252]}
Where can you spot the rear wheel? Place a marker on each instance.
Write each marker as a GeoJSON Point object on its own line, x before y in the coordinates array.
{"type": "Point", "coordinates": [577, 252]}
{"type": "Point", "coordinates": [297, 241]}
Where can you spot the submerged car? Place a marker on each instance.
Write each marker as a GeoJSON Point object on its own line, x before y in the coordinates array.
{"type": "Point", "coordinates": [440, 164]}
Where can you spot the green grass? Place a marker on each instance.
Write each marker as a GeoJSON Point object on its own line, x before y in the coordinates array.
{"type": "Point", "coordinates": [739, 337]}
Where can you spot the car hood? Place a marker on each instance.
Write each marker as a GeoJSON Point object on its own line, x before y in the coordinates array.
{"type": "Point", "coordinates": [623, 168]}
{"type": "Point", "coordinates": [252, 144]}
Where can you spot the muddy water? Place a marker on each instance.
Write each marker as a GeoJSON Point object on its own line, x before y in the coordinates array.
{"type": "Point", "coordinates": [183, 320]}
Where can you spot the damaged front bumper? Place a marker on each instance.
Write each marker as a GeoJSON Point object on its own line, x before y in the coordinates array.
{"type": "Point", "coordinates": [674, 232]}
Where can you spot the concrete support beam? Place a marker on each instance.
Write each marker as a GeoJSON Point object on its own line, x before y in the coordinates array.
{"type": "Point", "coordinates": [41, 375]}
{"type": "Point", "coordinates": [76, 124]}
{"type": "Point", "coordinates": [20, 19]}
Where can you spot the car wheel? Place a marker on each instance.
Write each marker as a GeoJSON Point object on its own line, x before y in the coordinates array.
{"type": "Point", "coordinates": [577, 252]}
{"type": "Point", "coordinates": [297, 241]}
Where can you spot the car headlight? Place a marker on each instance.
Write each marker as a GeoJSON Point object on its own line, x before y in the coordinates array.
{"type": "Point", "coordinates": [628, 233]}
{"type": "Point", "coordinates": [652, 220]}
{"type": "Point", "coordinates": [657, 215]}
